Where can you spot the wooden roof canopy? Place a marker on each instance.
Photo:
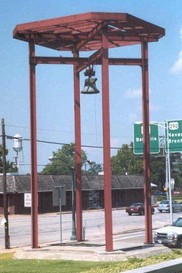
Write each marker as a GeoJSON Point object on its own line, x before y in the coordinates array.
{"type": "Point", "coordinates": [83, 32]}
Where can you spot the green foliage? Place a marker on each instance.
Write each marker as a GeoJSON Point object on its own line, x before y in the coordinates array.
{"type": "Point", "coordinates": [1, 151]}
{"type": "Point", "coordinates": [133, 263]}
{"type": "Point", "coordinates": [176, 169]}
{"type": "Point", "coordinates": [94, 168]}
{"type": "Point", "coordinates": [63, 160]}
{"type": "Point", "coordinates": [158, 171]}
{"type": "Point", "coordinates": [125, 162]}
{"type": "Point", "coordinates": [9, 165]}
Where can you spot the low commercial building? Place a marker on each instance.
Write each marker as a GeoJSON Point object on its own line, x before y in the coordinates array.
{"type": "Point", "coordinates": [125, 190]}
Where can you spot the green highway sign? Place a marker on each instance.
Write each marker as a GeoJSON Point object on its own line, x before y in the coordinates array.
{"type": "Point", "coordinates": [174, 136]}
{"type": "Point", "coordinates": [138, 138]}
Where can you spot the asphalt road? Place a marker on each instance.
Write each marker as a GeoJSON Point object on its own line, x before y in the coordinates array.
{"type": "Point", "coordinates": [54, 229]}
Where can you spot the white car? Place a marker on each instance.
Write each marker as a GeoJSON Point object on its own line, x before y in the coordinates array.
{"type": "Point", "coordinates": [170, 235]}
{"type": "Point", "coordinates": [165, 207]}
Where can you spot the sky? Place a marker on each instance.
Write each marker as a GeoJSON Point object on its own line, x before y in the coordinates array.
{"type": "Point", "coordinates": [55, 116]}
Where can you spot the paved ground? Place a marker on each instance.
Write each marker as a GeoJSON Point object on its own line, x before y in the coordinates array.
{"type": "Point", "coordinates": [89, 251]}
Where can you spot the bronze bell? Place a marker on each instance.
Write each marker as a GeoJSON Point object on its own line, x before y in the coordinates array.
{"type": "Point", "coordinates": [90, 86]}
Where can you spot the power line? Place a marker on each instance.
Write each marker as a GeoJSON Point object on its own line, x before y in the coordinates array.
{"type": "Point", "coordinates": [62, 143]}
{"type": "Point", "coordinates": [84, 145]}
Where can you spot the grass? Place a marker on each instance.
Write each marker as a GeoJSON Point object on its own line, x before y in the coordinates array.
{"type": "Point", "coordinates": [44, 266]}
{"type": "Point", "coordinates": [9, 265]}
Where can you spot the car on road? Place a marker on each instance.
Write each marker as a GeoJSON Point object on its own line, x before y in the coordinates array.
{"type": "Point", "coordinates": [164, 206]}
{"type": "Point", "coordinates": [137, 208]}
{"type": "Point", "coordinates": [170, 235]}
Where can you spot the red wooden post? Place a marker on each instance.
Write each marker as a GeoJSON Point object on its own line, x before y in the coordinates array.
{"type": "Point", "coordinates": [106, 144]}
{"type": "Point", "coordinates": [146, 142]}
{"type": "Point", "coordinates": [78, 159]}
{"type": "Point", "coordinates": [33, 144]}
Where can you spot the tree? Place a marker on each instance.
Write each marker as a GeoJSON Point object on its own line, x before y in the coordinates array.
{"type": "Point", "coordinates": [9, 165]}
{"type": "Point", "coordinates": [125, 162]}
{"type": "Point", "coordinates": [63, 160]}
{"type": "Point", "coordinates": [158, 170]}
{"type": "Point", "coordinates": [94, 168]}
{"type": "Point", "coordinates": [176, 169]}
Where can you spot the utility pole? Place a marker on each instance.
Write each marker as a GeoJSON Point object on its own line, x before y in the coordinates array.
{"type": "Point", "coordinates": [5, 197]}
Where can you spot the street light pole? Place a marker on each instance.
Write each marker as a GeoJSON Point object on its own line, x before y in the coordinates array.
{"type": "Point", "coordinates": [169, 176]}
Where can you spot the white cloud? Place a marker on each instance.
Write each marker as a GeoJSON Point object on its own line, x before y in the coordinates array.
{"type": "Point", "coordinates": [177, 67]}
{"type": "Point", "coordinates": [133, 93]}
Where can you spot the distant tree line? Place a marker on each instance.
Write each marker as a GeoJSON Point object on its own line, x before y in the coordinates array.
{"type": "Point", "coordinates": [125, 162]}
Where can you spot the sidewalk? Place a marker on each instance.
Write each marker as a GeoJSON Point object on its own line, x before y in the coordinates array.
{"type": "Point", "coordinates": [90, 251]}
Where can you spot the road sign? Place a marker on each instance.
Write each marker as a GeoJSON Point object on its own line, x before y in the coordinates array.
{"type": "Point", "coordinates": [27, 200]}
{"type": "Point", "coordinates": [59, 196]}
{"type": "Point", "coordinates": [138, 138]}
{"type": "Point", "coordinates": [174, 136]}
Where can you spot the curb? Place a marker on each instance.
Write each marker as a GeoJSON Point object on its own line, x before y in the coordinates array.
{"type": "Point", "coordinates": [174, 266]}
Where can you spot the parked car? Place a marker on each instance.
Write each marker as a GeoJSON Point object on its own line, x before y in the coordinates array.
{"type": "Point", "coordinates": [170, 235]}
{"type": "Point", "coordinates": [137, 208]}
{"type": "Point", "coordinates": [164, 206]}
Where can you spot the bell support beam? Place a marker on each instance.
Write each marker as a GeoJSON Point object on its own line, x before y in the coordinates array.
{"type": "Point", "coordinates": [106, 144]}
{"type": "Point", "coordinates": [33, 146]}
{"type": "Point", "coordinates": [78, 158]}
{"type": "Point", "coordinates": [94, 59]}
{"type": "Point", "coordinates": [146, 143]}
{"type": "Point", "coordinates": [125, 61]}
